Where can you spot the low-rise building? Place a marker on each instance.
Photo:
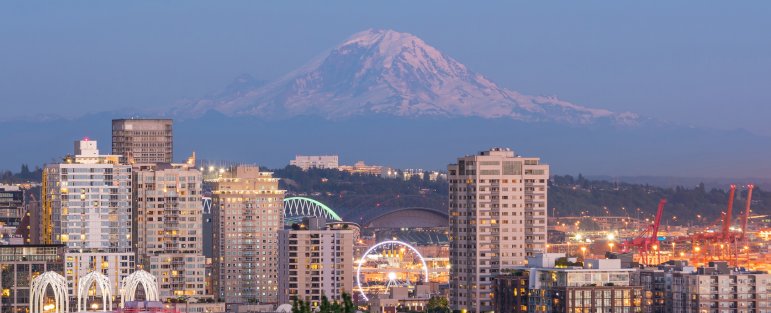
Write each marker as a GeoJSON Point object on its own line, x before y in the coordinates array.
{"type": "Point", "coordinates": [11, 205]}
{"type": "Point", "coordinates": [19, 264]}
{"type": "Point", "coordinates": [399, 299]}
{"type": "Point", "coordinates": [511, 291]}
{"type": "Point", "coordinates": [557, 284]}
{"type": "Point", "coordinates": [361, 168]}
{"type": "Point", "coordinates": [306, 162]}
{"type": "Point", "coordinates": [717, 288]}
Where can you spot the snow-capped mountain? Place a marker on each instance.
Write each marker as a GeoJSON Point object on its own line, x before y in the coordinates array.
{"type": "Point", "coordinates": [388, 72]}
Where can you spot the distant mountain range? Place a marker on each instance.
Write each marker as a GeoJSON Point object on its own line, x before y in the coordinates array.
{"type": "Point", "coordinates": [393, 73]}
{"type": "Point", "coordinates": [389, 98]}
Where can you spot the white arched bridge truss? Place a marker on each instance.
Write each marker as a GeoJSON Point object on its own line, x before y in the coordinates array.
{"type": "Point", "coordinates": [297, 207]}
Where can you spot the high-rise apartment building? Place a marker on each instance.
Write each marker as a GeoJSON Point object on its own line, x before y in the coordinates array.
{"type": "Point", "coordinates": [142, 141]}
{"type": "Point", "coordinates": [168, 234]}
{"type": "Point", "coordinates": [247, 207]}
{"type": "Point", "coordinates": [86, 203]}
{"type": "Point", "coordinates": [306, 162]}
{"type": "Point", "coordinates": [498, 218]}
{"type": "Point", "coordinates": [314, 260]}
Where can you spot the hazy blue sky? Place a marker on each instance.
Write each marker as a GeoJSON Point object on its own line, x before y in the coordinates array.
{"type": "Point", "coordinates": [705, 63]}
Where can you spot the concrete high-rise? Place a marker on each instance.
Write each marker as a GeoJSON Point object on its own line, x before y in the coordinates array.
{"type": "Point", "coordinates": [86, 204]}
{"type": "Point", "coordinates": [143, 141]}
{"type": "Point", "coordinates": [247, 208]}
{"type": "Point", "coordinates": [168, 233]}
{"type": "Point", "coordinates": [498, 209]}
{"type": "Point", "coordinates": [314, 260]}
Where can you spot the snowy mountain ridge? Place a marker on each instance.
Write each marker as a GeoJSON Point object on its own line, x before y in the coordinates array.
{"type": "Point", "coordinates": [388, 72]}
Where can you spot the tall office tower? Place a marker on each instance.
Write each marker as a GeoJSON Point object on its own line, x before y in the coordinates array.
{"type": "Point", "coordinates": [168, 232]}
{"type": "Point", "coordinates": [247, 207]}
{"type": "Point", "coordinates": [314, 260]}
{"type": "Point", "coordinates": [86, 203]}
{"type": "Point", "coordinates": [143, 141]}
{"type": "Point", "coordinates": [497, 219]}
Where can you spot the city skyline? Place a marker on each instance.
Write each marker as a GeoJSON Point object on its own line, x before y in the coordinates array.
{"type": "Point", "coordinates": [389, 157]}
{"type": "Point", "coordinates": [503, 251]}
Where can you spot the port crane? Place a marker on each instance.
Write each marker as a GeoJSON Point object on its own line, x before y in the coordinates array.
{"type": "Point", "coordinates": [647, 239]}
{"type": "Point", "coordinates": [726, 239]}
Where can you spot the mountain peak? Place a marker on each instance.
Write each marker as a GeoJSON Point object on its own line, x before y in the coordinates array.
{"type": "Point", "coordinates": [386, 40]}
{"type": "Point", "coordinates": [381, 71]}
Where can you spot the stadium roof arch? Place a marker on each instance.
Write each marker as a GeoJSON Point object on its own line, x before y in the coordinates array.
{"type": "Point", "coordinates": [410, 218]}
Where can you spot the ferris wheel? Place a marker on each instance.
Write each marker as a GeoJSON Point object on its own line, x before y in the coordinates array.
{"type": "Point", "coordinates": [389, 264]}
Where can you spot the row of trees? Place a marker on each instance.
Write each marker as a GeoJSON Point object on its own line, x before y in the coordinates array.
{"type": "Point", "coordinates": [435, 305]}
{"type": "Point", "coordinates": [357, 196]}
{"type": "Point", "coordinates": [24, 175]}
{"type": "Point", "coordinates": [570, 196]}
{"type": "Point", "coordinates": [344, 306]}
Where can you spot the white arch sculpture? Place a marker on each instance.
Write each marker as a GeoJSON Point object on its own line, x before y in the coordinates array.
{"type": "Point", "coordinates": [38, 292]}
{"type": "Point", "coordinates": [102, 283]}
{"type": "Point", "coordinates": [130, 283]}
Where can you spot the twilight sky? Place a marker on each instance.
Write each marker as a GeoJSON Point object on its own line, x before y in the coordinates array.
{"type": "Point", "coordinates": [705, 63]}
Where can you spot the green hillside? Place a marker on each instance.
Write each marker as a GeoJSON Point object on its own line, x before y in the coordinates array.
{"type": "Point", "coordinates": [361, 196]}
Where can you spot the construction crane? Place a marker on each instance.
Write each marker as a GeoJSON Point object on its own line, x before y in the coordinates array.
{"type": "Point", "coordinates": [647, 239]}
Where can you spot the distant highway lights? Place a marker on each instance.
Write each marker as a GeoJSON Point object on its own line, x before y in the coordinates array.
{"type": "Point", "coordinates": [389, 264]}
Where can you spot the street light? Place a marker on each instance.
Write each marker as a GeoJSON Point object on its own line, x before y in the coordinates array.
{"type": "Point", "coordinates": [610, 244]}
{"type": "Point", "coordinates": [583, 252]}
